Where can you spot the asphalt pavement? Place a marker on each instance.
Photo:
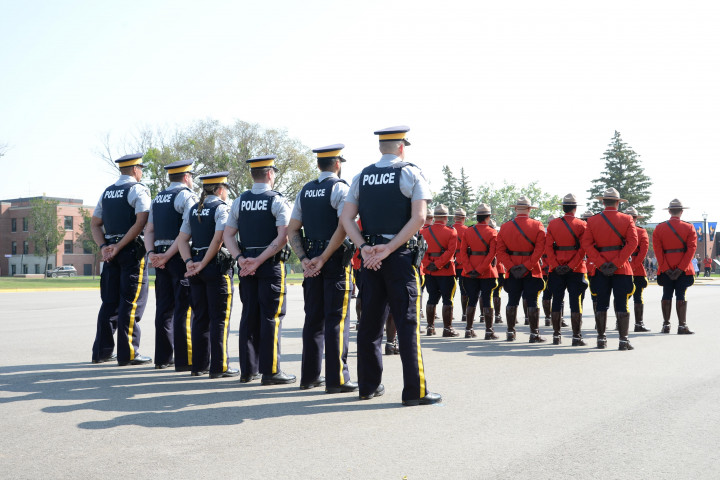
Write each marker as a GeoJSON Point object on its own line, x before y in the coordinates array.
{"type": "Point", "coordinates": [510, 410]}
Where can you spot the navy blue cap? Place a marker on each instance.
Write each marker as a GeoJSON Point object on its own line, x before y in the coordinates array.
{"type": "Point", "coordinates": [262, 162]}
{"type": "Point", "coordinates": [393, 134]}
{"type": "Point", "coordinates": [130, 160]}
{"type": "Point", "coordinates": [181, 166]}
{"type": "Point", "coordinates": [217, 177]}
{"type": "Point", "coordinates": [331, 151]}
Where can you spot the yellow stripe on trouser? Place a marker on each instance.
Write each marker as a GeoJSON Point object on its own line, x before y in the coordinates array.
{"type": "Point", "coordinates": [188, 335]}
{"type": "Point", "coordinates": [627, 300]}
{"type": "Point", "coordinates": [541, 291]}
{"type": "Point", "coordinates": [421, 368]}
{"type": "Point", "coordinates": [277, 316]}
{"type": "Point", "coordinates": [341, 339]}
{"type": "Point", "coordinates": [227, 321]}
{"type": "Point", "coordinates": [131, 326]}
{"type": "Point", "coordinates": [452, 293]}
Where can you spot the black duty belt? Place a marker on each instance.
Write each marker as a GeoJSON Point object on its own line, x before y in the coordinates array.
{"type": "Point", "coordinates": [198, 251]}
{"type": "Point", "coordinates": [565, 248]}
{"type": "Point", "coordinates": [611, 248]}
{"type": "Point", "coordinates": [635, 254]}
{"type": "Point", "coordinates": [315, 244]}
{"type": "Point", "coordinates": [435, 254]}
{"type": "Point", "coordinates": [373, 240]}
{"type": "Point", "coordinates": [470, 252]}
{"type": "Point", "coordinates": [161, 248]}
{"type": "Point", "coordinates": [113, 240]}
{"type": "Point", "coordinates": [675, 250]}
{"type": "Point", "coordinates": [519, 254]}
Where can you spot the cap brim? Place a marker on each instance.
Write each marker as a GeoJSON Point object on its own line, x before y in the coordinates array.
{"type": "Point", "coordinates": [566, 204]}
{"type": "Point", "coordinates": [524, 206]}
{"type": "Point", "coordinates": [676, 208]}
{"type": "Point", "coordinates": [621, 200]}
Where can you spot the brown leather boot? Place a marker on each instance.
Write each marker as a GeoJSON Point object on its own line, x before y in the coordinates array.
{"type": "Point", "coordinates": [511, 316]}
{"type": "Point", "coordinates": [666, 307]}
{"type": "Point", "coordinates": [430, 317]}
{"type": "Point", "coordinates": [600, 324]}
{"type": "Point", "coordinates": [497, 301]}
{"type": "Point", "coordinates": [623, 320]}
{"type": "Point", "coordinates": [576, 322]}
{"type": "Point", "coordinates": [681, 310]}
{"type": "Point", "coordinates": [488, 315]}
{"type": "Point", "coordinates": [470, 314]}
{"type": "Point", "coordinates": [534, 316]}
{"type": "Point", "coordinates": [639, 313]}
{"type": "Point", "coordinates": [556, 318]}
{"type": "Point", "coordinates": [447, 314]}
{"type": "Point", "coordinates": [546, 310]}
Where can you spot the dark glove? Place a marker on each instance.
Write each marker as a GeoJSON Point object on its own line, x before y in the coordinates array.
{"type": "Point", "coordinates": [518, 271]}
{"type": "Point", "coordinates": [473, 274]}
{"type": "Point", "coordinates": [608, 269]}
{"type": "Point", "coordinates": [562, 270]}
{"type": "Point", "coordinates": [674, 274]}
{"type": "Point", "coordinates": [431, 267]}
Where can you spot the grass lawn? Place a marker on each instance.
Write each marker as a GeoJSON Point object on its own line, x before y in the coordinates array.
{"type": "Point", "coordinates": [11, 283]}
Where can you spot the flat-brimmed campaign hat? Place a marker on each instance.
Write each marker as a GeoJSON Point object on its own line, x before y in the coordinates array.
{"type": "Point", "coordinates": [551, 218]}
{"type": "Point", "coordinates": [633, 213]}
{"type": "Point", "coordinates": [611, 194]}
{"type": "Point", "coordinates": [586, 214]}
{"type": "Point", "coordinates": [569, 199]}
{"type": "Point", "coordinates": [430, 213]}
{"type": "Point", "coordinates": [460, 212]}
{"type": "Point", "coordinates": [483, 209]}
{"type": "Point", "coordinates": [441, 211]}
{"type": "Point", "coordinates": [675, 204]}
{"type": "Point", "coordinates": [522, 202]}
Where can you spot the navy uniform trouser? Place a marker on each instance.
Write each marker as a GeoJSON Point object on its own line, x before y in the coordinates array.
{"type": "Point", "coordinates": [397, 282]}
{"type": "Point", "coordinates": [480, 287]}
{"type": "Point", "coordinates": [677, 287]}
{"type": "Point", "coordinates": [264, 304]}
{"type": "Point", "coordinates": [527, 287]}
{"type": "Point", "coordinates": [460, 281]}
{"type": "Point", "coordinates": [620, 286]}
{"type": "Point", "coordinates": [327, 314]}
{"type": "Point", "coordinates": [173, 315]}
{"type": "Point", "coordinates": [641, 284]}
{"type": "Point", "coordinates": [440, 286]}
{"type": "Point", "coordinates": [547, 293]}
{"type": "Point", "coordinates": [212, 294]}
{"type": "Point", "coordinates": [123, 290]}
{"type": "Point", "coordinates": [575, 283]}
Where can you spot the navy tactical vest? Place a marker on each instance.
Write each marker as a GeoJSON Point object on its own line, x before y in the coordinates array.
{"type": "Point", "coordinates": [319, 218]}
{"type": "Point", "coordinates": [383, 207]}
{"type": "Point", "coordinates": [256, 223]}
{"type": "Point", "coordinates": [167, 220]}
{"type": "Point", "coordinates": [203, 231]}
{"type": "Point", "coordinates": [118, 215]}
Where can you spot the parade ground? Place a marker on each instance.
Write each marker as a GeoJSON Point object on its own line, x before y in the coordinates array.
{"type": "Point", "coordinates": [509, 410]}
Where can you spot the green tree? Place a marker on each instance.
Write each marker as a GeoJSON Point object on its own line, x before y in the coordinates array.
{"type": "Point", "coordinates": [500, 198]}
{"type": "Point", "coordinates": [449, 192]}
{"type": "Point", "coordinates": [85, 240]}
{"type": "Point", "coordinates": [623, 171]}
{"type": "Point", "coordinates": [465, 194]}
{"type": "Point", "coordinates": [47, 233]}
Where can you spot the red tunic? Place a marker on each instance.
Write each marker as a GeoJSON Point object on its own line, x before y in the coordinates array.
{"type": "Point", "coordinates": [511, 240]}
{"type": "Point", "coordinates": [471, 241]}
{"type": "Point", "coordinates": [442, 254]}
{"type": "Point", "coordinates": [356, 262]}
{"type": "Point", "coordinates": [461, 228]}
{"type": "Point", "coordinates": [600, 235]}
{"type": "Point", "coordinates": [558, 235]}
{"type": "Point", "coordinates": [664, 239]}
{"type": "Point", "coordinates": [638, 256]}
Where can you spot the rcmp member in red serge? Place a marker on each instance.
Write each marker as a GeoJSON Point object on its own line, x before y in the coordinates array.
{"type": "Point", "coordinates": [173, 315]}
{"type": "Point", "coordinates": [590, 268]}
{"type": "Point", "coordinates": [497, 301]}
{"type": "Point", "coordinates": [674, 243]}
{"type": "Point", "coordinates": [439, 267]}
{"type": "Point", "coordinates": [609, 241]}
{"type": "Point", "coordinates": [117, 222]}
{"type": "Point", "coordinates": [477, 255]}
{"type": "Point", "coordinates": [520, 244]}
{"type": "Point", "coordinates": [429, 220]}
{"type": "Point", "coordinates": [638, 268]}
{"type": "Point", "coordinates": [459, 225]}
{"type": "Point", "coordinates": [326, 261]}
{"type": "Point", "coordinates": [259, 217]}
{"type": "Point", "coordinates": [566, 261]}
{"type": "Point", "coordinates": [391, 197]}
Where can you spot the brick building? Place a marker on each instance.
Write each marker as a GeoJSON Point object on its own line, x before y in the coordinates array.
{"type": "Point", "coordinates": [17, 252]}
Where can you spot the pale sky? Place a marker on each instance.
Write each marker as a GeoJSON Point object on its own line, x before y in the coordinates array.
{"type": "Point", "coordinates": [516, 91]}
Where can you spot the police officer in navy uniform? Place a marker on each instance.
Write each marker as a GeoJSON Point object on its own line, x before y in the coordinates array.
{"type": "Point", "coordinates": [327, 270]}
{"type": "Point", "coordinates": [391, 197]}
{"type": "Point", "coordinates": [260, 216]}
{"type": "Point", "coordinates": [173, 315]}
{"type": "Point", "coordinates": [117, 222]}
{"type": "Point", "coordinates": [209, 267]}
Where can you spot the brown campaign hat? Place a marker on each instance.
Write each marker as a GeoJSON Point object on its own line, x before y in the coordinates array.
{"type": "Point", "coordinates": [611, 194]}
{"type": "Point", "coordinates": [483, 209]}
{"type": "Point", "coordinates": [633, 213]}
{"type": "Point", "coordinates": [522, 202]}
{"type": "Point", "coordinates": [569, 199]}
{"type": "Point", "coordinates": [674, 204]}
{"type": "Point", "coordinates": [430, 213]}
{"type": "Point", "coordinates": [460, 212]}
{"type": "Point", "coordinates": [586, 214]}
{"type": "Point", "coordinates": [441, 211]}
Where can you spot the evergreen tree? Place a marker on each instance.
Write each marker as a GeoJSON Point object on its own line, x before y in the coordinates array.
{"type": "Point", "coordinates": [465, 194]}
{"type": "Point", "coordinates": [449, 193]}
{"type": "Point", "coordinates": [623, 171]}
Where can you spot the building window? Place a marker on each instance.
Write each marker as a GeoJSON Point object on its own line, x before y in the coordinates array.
{"type": "Point", "coordinates": [25, 270]}
{"type": "Point", "coordinates": [13, 268]}
{"type": "Point", "coordinates": [14, 224]}
{"type": "Point", "coordinates": [68, 246]}
{"type": "Point", "coordinates": [37, 268]}
{"type": "Point", "coordinates": [68, 223]}
{"type": "Point", "coordinates": [26, 249]}
{"type": "Point", "coordinates": [87, 269]}
{"type": "Point", "coordinates": [25, 224]}
{"type": "Point", "coordinates": [14, 248]}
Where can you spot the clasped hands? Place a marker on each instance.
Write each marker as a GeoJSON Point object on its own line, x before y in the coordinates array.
{"type": "Point", "coordinates": [518, 271]}
{"type": "Point", "coordinates": [374, 255]}
{"type": "Point", "coordinates": [562, 269]}
{"type": "Point", "coordinates": [608, 269]}
{"type": "Point", "coordinates": [674, 274]}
